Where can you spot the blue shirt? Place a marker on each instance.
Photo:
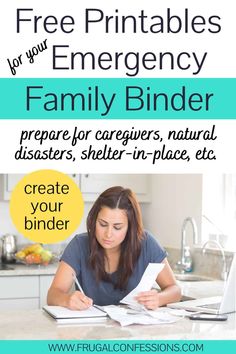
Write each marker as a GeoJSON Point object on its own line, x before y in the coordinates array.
{"type": "Point", "coordinates": [76, 254]}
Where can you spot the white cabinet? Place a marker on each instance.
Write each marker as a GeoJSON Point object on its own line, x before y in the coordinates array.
{"type": "Point", "coordinates": [92, 185]}
{"type": "Point", "coordinates": [7, 184]}
{"type": "Point", "coordinates": [45, 282]}
{"type": "Point", "coordinates": [19, 304]}
{"type": "Point", "coordinates": [9, 181]}
{"type": "Point", "coordinates": [24, 292]}
{"type": "Point", "coordinates": [19, 292]}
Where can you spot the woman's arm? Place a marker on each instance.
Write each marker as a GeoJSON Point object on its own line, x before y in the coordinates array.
{"type": "Point", "coordinates": [171, 292]}
{"type": "Point", "coordinates": [59, 292]}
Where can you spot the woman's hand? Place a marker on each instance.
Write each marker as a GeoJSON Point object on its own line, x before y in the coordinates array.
{"type": "Point", "coordinates": [78, 301]}
{"type": "Point", "coordinates": [170, 291]}
{"type": "Point", "coordinates": [150, 299]}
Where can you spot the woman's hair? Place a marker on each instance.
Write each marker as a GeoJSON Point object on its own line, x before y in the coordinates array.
{"type": "Point", "coordinates": [124, 199]}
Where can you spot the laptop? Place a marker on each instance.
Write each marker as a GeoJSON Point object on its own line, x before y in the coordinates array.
{"type": "Point", "coordinates": [215, 305]}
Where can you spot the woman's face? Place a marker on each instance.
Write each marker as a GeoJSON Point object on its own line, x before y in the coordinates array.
{"type": "Point", "coordinates": [111, 228]}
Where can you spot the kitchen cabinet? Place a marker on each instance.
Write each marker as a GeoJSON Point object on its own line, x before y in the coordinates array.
{"type": "Point", "coordinates": [19, 292]}
{"type": "Point", "coordinates": [19, 304]}
{"type": "Point", "coordinates": [25, 287]}
{"type": "Point", "coordinates": [45, 282]}
{"type": "Point", "coordinates": [91, 185]}
{"type": "Point", "coordinates": [7, 184]}
{"type": "Point", "coordinates": [9, 181]}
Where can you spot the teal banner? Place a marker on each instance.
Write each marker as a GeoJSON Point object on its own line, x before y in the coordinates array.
{"type": "Point", "coordinates": [48, 98]}
{"type": "Point", "coordinates": [108, 347]}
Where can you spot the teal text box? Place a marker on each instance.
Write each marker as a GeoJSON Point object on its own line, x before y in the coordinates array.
{"type": "Point", "coordinates": [118, 346]}
{"type": "Point", "coordinates": [116, 98]}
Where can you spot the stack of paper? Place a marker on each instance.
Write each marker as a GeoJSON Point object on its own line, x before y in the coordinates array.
{"type": "Point", "coordinates": [64, 315]}
{"type": "Point", "coordinates": [126, 317]}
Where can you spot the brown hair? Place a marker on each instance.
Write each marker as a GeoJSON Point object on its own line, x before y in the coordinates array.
{"type": "Point", "coordinates": [124, 199]}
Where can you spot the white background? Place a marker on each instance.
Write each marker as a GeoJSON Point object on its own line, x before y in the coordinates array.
{"type": "Point", "coordinates": [221, 49]}
{"type": "Point", "coordinates": [224, 147]}
{"type": "Point", "coordinates": [220, 62]}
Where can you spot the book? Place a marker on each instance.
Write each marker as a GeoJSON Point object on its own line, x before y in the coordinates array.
{"type": "Point", "coordinates": [64, 315]}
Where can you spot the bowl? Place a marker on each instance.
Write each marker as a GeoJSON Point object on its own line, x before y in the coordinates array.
{"type": "Point", "coordinates": [32, 261]}
{"type": "Point", "coordinates": [35, 254]}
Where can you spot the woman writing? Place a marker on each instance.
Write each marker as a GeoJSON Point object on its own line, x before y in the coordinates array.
{"type": "Point", "coordinates": [110, 259]}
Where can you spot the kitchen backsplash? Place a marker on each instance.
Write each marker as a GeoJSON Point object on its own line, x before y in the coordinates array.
{"type": "Point", "coordinates": [209, 264]}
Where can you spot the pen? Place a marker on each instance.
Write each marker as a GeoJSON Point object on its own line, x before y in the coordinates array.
{"type": "Point", "coordinates": [81, 290]}
{"type": "Point", "coordinates": [77, 283]}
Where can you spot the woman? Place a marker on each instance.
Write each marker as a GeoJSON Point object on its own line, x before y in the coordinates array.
{"type": "Point", "coordinates": [110, 259]}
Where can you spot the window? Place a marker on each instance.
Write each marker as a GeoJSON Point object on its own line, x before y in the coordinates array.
{"type": "Point", "coordinates": [219, 209]}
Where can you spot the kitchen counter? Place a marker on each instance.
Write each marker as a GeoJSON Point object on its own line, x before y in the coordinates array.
{"type": "Point", "coordinates": [18, 324]}
{"type": "Point", "coordinates": [22, 269]}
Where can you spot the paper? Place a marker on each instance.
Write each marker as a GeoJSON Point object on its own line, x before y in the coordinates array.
{"type": "Point", "coordinates": [123, 316]}
{"type": "Point", "coordinates": [145, 284]}
{"type": "Point", "coordinates": [64, 315]}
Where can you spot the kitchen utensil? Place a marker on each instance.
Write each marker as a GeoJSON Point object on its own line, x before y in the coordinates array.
{"type": "Point", "coordinates": [8, 248]}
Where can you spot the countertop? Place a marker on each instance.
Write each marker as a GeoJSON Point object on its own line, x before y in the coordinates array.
{"type": "Point", "coordinates": [21, 269]}
{"type": "Point", "coordinates": [18, 324]}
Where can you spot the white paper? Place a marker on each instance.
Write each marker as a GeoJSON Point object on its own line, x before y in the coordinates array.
{"type": "Point", "coordinates": [145, 284]}
{"type": "Point", "coordinates": [123, 316]}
